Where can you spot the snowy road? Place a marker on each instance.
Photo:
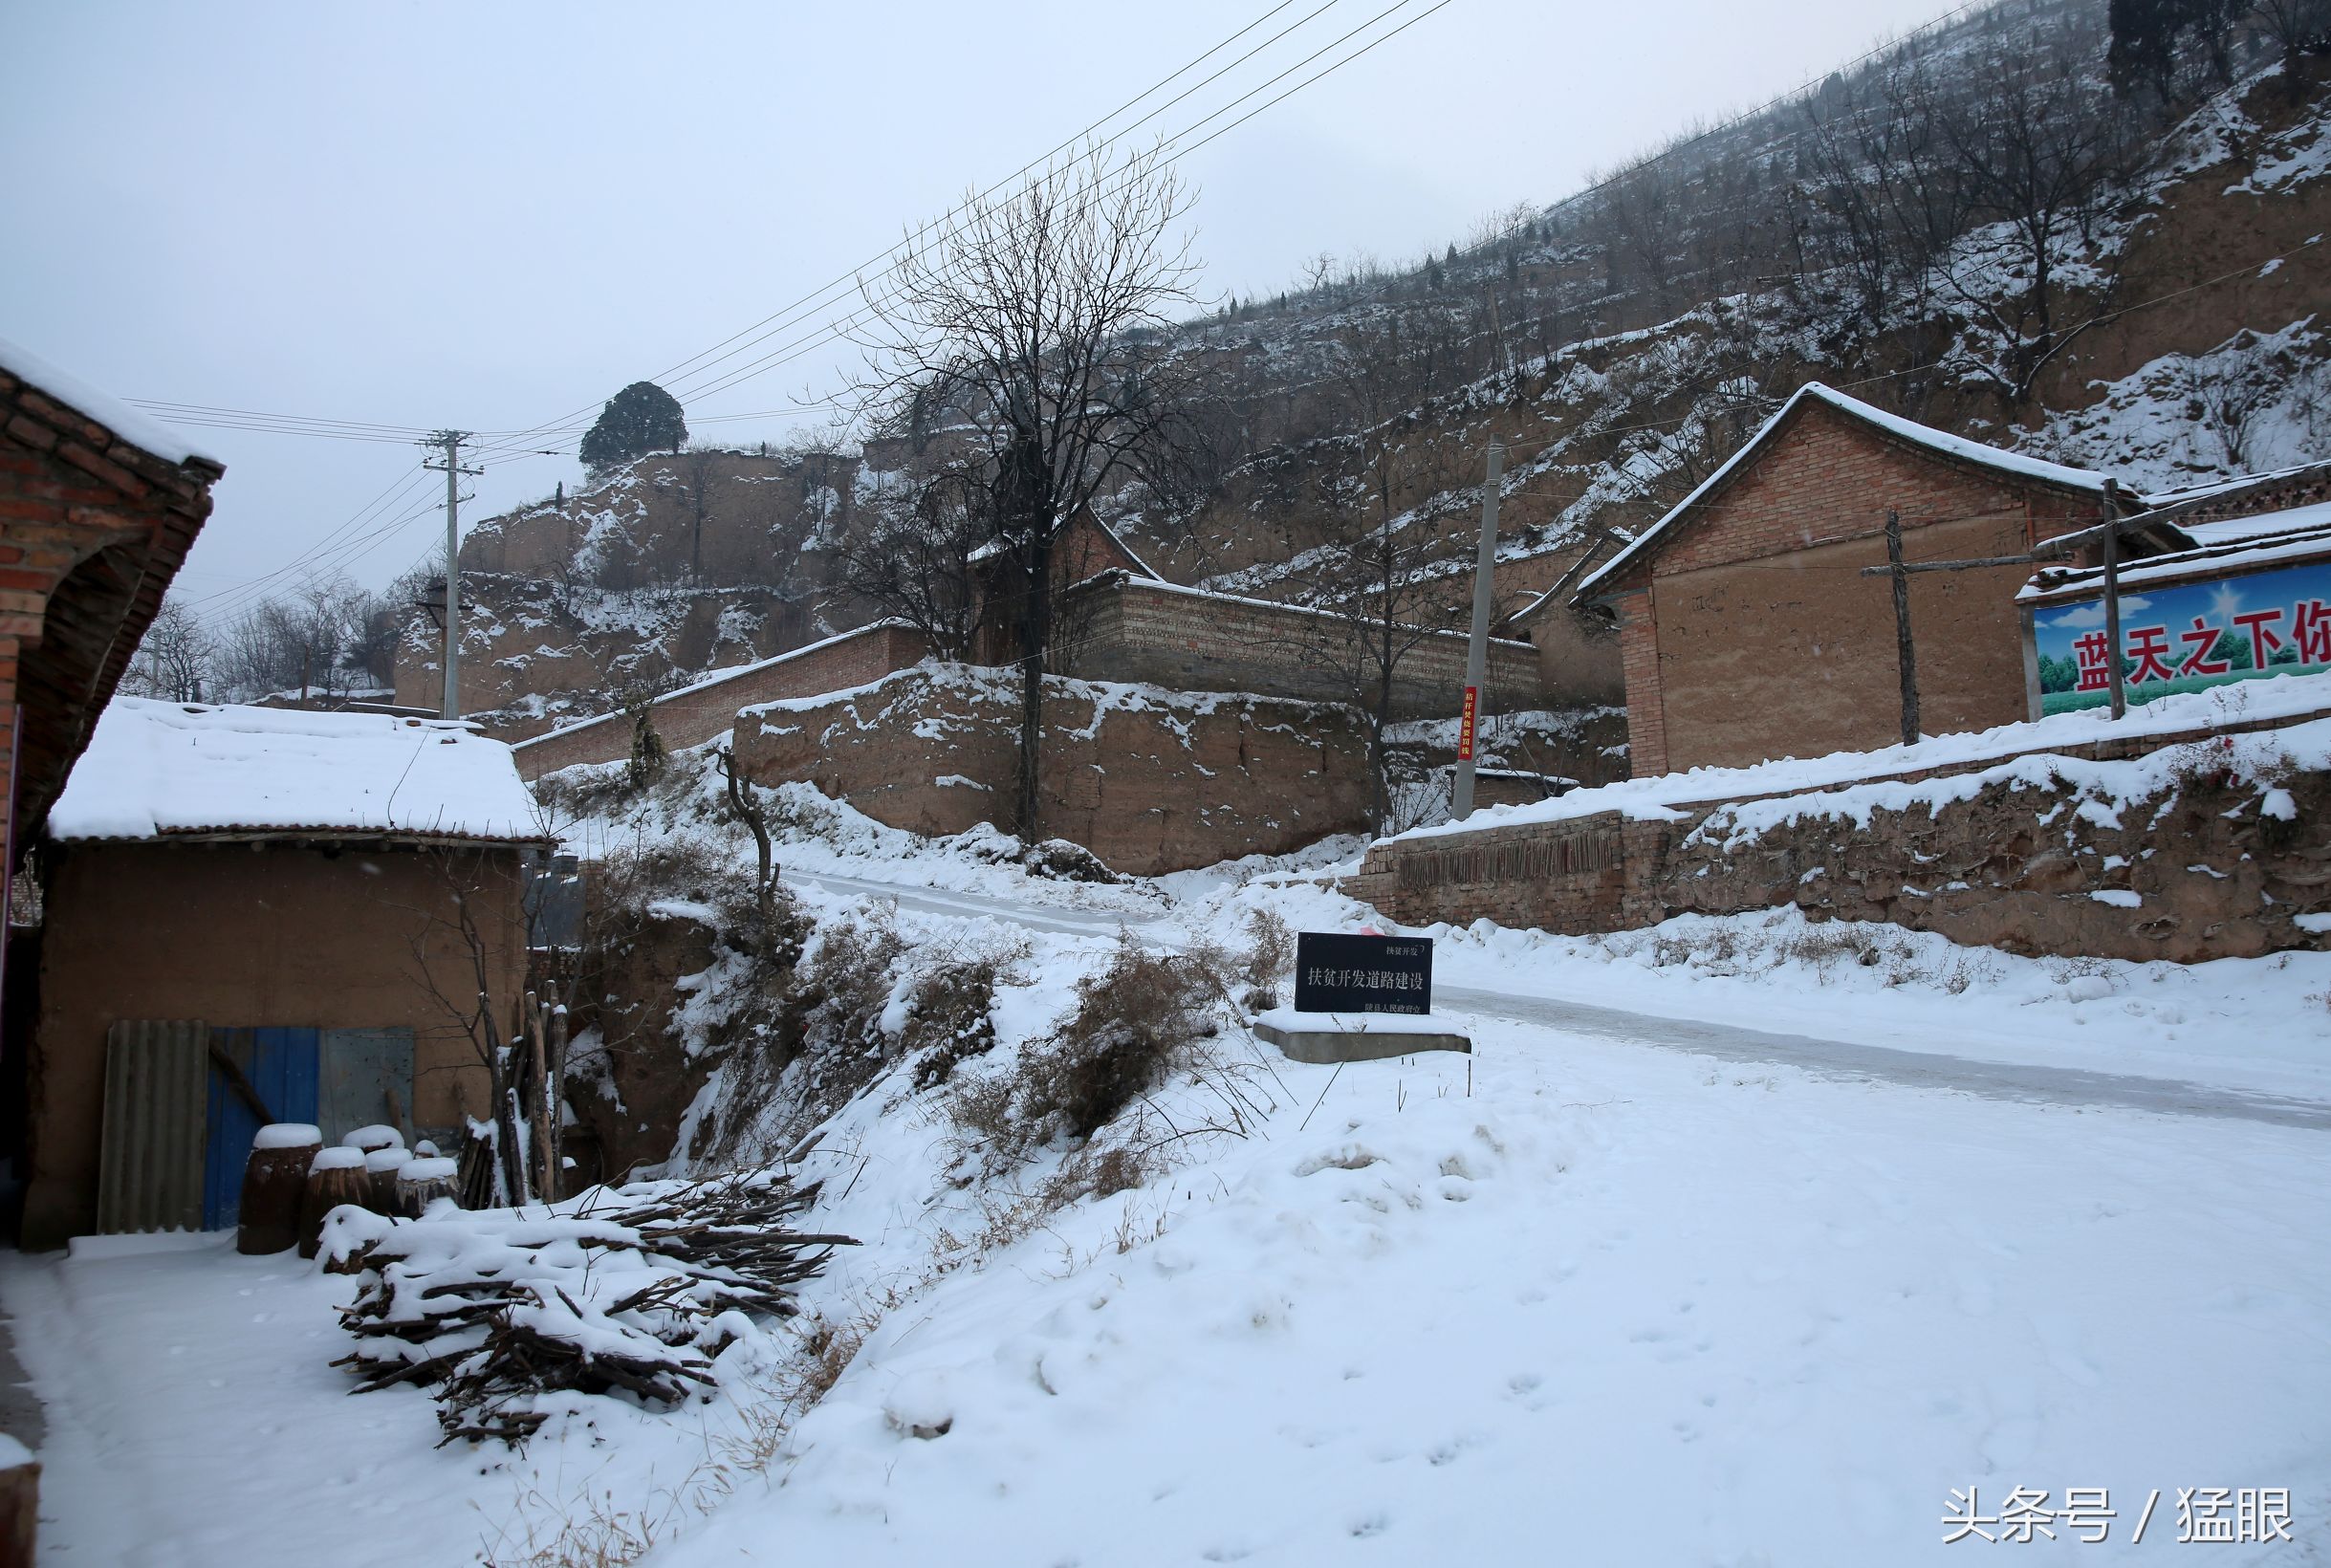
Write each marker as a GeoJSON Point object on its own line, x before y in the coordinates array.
{"type": "Point", "coordinates": [933, 901]}
{"type": "Point", "coordinates": [2026, 1082]}
{"type": "Point", "coordinates": [1915, 1069]}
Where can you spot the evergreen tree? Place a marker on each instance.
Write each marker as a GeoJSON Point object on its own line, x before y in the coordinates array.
{"type": "Point", "coordinates": [640, 418]}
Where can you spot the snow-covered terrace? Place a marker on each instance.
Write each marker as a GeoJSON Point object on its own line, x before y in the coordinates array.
{"type": "Point", "coordinates": [157, 770]}
{"type": "Point", "coordinates": [1661, 797]}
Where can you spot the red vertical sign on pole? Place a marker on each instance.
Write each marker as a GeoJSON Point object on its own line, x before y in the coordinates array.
{"type": "Point", "coordinates": [1464, 725]}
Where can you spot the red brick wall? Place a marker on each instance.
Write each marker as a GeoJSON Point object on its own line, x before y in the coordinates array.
{"type": "Point", "coordinates": [1760, 639]}
{"type": "Point", "coordinates": [92, 531]}
{"type": "Point", "coordinates": [1647, 705]}
{"type": "Point", "coordinates": [694, 714]}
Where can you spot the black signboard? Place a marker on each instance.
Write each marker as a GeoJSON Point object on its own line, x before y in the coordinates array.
{"type": "Point", "coordinates": [1336, 973]}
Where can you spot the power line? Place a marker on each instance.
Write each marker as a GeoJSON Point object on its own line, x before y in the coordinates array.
{"type": "Point", "coordinates": [820, 336]}
{"type": "Point", "coordinates": [794, 316]}
{"type": "Point", "coordinates": [241, 594]}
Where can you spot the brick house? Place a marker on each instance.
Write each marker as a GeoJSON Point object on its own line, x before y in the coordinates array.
{"type": "Point", "coordinates": [99, 506]}
{"type": "Point", "coordinates": [1747, 631]}
{"type": "Point", "coordinates": [322, 900]}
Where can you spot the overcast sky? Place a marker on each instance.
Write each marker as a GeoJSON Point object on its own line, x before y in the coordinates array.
{"type": "Point", "coordinates": [490, 216]}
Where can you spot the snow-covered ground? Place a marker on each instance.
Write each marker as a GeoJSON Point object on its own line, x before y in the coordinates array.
{"type": "Point", "coordinates": [1573, 1297]}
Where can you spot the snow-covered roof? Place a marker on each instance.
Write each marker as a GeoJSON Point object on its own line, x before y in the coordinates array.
{"type": "Point", "coordinates": [140, 430]}
{"type": "Point", "coordinates": [159, 770]}
{"type": "Point", "coordinates": [1942, 442]}
{"type": "Point", "coordinates": [2248, 544]}
{"type": "Point", "coordinates": [2264, 527]}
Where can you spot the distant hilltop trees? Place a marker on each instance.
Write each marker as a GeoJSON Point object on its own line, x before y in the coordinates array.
{"type": "Point", "coordinates": [640, 418]}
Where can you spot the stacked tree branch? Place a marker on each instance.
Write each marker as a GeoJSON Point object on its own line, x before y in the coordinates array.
{"type": "Point", "coordinates": [630, 1292]}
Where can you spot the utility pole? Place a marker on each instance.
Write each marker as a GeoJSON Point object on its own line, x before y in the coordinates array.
{"type": "Point", "coordinates": [450, 442]}
{"type": "Point", "coordinates": [2112, 595]}
{"type": "Point", "coordinates": [1477, 652]}
{"type": "Point", "coordinates": [1904, 653]}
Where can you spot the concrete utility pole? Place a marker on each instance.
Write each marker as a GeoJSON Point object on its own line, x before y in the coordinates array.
{"type": "Point", "coordinates": [451, 443]}
{"type": "Point", "coordinates": [1477, 652]}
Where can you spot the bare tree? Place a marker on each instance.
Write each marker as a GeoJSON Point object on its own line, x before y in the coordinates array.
{"type": "Point", "coordinates": [1383, 568]}
{"type": "Point", "coordinates": [2294, 29]}
{"type": "Point", "coordinates": [746, 806]}
{"type": "Point", "coordinates": [455, 959]}
{"type": "Point", "coordinates": [2035, 147]}
{"type": "Point", "coordinates": [174, 661]}
{"type": "Point", "coordinates": [910, 557]}
{"type": "Point", "coordinates": [314, 638]}
{"type": "Point", "coordinates": [1042, 318]}
{"type": "Point", "coordinates": [699, 474]}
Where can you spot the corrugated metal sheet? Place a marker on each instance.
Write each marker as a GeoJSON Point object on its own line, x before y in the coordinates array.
{"type": "Point", "coordinates": [150, 1160]}
{"type": "Point", "coordinates": [365, 1078]}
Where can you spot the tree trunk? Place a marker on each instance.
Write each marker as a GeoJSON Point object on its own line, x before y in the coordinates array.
{"type": "Point", "coordinates": [1035, 629]}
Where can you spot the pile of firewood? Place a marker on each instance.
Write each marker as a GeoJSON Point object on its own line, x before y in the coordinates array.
{"type": "Point", "coordinates": [632, 1290]}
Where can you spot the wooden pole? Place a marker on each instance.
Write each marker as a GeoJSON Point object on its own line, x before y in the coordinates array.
{"type": "Point", "coordinates": [2112, 595]}
{"type": "Point", "coordinates": [1904, 653]}
{"type": "Point", "coordinates": [543, 1137]}
{"type": "Point", "coordinates": [558, 1073]}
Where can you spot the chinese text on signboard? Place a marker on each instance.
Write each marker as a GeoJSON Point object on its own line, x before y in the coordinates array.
{"type": "Point", "coordinates": [1335, 974]}
{"type": "Point", "coordinates": [2182, 637]}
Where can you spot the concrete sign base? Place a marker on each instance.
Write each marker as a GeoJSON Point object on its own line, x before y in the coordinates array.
{"type": "Point", "coordinates": [1326, 1037]}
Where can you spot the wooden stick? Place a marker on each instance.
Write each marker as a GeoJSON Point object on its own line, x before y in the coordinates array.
{"type": "Point", "coordinates": [243, 1089]}
{"type": "Point", "coordinates": [1904, 653]}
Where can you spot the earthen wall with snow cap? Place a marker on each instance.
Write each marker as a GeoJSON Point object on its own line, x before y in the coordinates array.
{"type": "Point", "coordinates": [2185, 846]}
{"type": "Point", "coordinates": [1124, 628]}
{"type": "Point", "coordinates": [1149, 779]}
{"type": "Point", "coordinates": [696, 712]}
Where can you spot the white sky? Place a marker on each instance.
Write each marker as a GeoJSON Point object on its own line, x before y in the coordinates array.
{"type": "Point", "coordinates": [487, 216]}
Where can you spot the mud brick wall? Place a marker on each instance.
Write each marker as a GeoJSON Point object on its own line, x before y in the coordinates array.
{"type": "Point", "coordinates": [2201, 871]}
{"type": "Point", "coordinates": [1131, 630]}
{"type": "Point", "coordinates": [1149, 780]}
{"type": "Point", "coordinates": [695, 713]}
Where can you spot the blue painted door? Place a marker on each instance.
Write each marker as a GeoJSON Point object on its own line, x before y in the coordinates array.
{"type": "Point", "coordinates": [281, 1064]}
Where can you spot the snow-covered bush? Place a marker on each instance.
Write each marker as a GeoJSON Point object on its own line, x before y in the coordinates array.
{"type": "Point", "coordinates": [948, 1014]}
{"type": "Point", "coordinates": [1143, 1016]}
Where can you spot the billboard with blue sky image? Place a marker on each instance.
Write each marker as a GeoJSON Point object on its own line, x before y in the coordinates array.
{"type": "Point", "coordinates": [2182, 637]}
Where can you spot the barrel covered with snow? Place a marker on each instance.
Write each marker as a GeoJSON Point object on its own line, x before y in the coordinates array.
{"type": "Point", "coordinates": [377, 1135]}
{"type": "Point", "coordinates": [388, 1159]}
{"type": "Point", "coordinates": [288, 1135]}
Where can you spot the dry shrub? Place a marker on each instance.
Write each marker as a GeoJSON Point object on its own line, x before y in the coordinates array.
{"type": "Point", "coordinates": [1059, 861]}
{"type": "Point", "coordinates": [679, 866]}
{"type": "Point", "coordinates": [841, 991]}
{"type": "Point", "coordinates": [1008, 1213]}
{"type": "Point", "coordinates": [1134, 1023]}
{"type": "Point", "coordinates": [1270, 955]}
{"type": "Point", "coordinates": [1820, 947]}
{"type": "Point", "coordinates": [950, 1011]}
